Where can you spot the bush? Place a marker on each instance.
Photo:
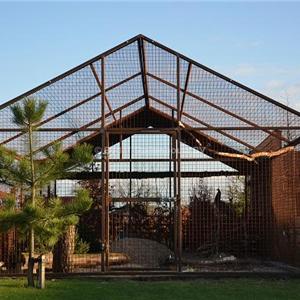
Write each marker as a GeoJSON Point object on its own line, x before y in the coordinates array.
{"type": "Point", "coordinates": [81, 246]}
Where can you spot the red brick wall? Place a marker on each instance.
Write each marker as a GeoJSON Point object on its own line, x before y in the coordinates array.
{"type": "Point", "coordinates": [285, 201]}
{"type": "Point", "coordinates": [284, 192]}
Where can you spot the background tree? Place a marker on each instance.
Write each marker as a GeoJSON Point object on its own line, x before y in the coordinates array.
{"type": "Point", "coordinates": [236, 193]}
{"type": "Point", "coordinates": [89, 226]}
{"type": "Point", "coordinates": [199, 219]}
{"type": "Point", "coordinates": [41, 222]}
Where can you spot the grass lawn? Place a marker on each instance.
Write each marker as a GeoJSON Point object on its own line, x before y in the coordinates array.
{"type": "Point", "coordinates": [84, 289]}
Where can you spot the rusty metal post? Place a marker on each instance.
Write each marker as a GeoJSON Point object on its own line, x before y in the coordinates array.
{"type": "Point", "coordinates": [178, 201]}
{"type": "Point", "coordinates": [121, 136]}
{"type": "Point", "coordinates": [103, 167]}
{"type": "Point", "coordinates": [171, 203]}
{"type": "Point", "coordinates": [246, 216]}
{"type": "Point", "coordinates": [130, 166]}
{"type": "Point", "coordinates": [107, 200]}
{"type": "Point", "coordinates": [175, 196]}
{"type": "Point", "coordinates": [178, 173]}
{"type": "Point", "coordinates": [142, 56]}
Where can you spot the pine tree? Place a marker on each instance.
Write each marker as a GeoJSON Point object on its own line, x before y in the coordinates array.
{"type": "Point", "coordinates": [41, 222]}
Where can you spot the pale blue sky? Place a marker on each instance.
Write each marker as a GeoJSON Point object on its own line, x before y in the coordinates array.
{"type": "Point", "coordinates": [255, 43]}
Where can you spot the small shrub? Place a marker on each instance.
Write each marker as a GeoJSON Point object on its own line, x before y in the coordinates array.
{"type": "Point", "coordinates": [81, 246]}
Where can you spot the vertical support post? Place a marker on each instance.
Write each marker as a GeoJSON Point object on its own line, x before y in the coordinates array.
{"type": "Point", "coordinates": [178, 173]}
{"type": "Point", "coordinates": [171, 204]}
{"type": "Point", "coordinates": [130, 167]}
{"type": "Point", "coordinates": [178, 87]}
{"type": "Point", "coordinates": [129, 204]}
{"type": "Point", "coordinates": [121, 137]}
{"type": "Point", "coordinates": [103, 169]}
{"type": "Point", "coordinates": [107, 200]}
{"type": "Point", "coordinates": [142, 56]}
{"type": "Point", "coordinates": [174, 150]}
{"type": "Point", "coordinates": [178, 200]}
{"type": "Point", "coordinates": [245, 217]}
{"type": "Point", "coordinates": [170, 166]}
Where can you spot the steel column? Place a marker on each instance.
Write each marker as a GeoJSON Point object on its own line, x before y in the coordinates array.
{"type": "Point", "coordinates": [185, 88]}
{"type": "Point", "coordinates": [102, 90]}
{"type": "Point", "coordinates": [107, 200]}
{"type": "Point", "coordinates": [175, 196]}
{"type": "Point", "coordinates": [219, 108]}
{"type": "Point", "coordinates": [178, 202]}
{"type": "Point", "coordinates": [103, 172]}
{"type": "Point", "coordinates": [143, 69]}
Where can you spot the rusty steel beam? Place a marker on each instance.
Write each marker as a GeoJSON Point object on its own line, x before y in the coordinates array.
{"type": "Point", "coordinates": [70, 72]}
{"type": "Point", "coordinates": [121, 137]}
{"type": "Point", "coordinates": [219, 108]}
{"type": "Point", "coordinates": [65, 136]}
{"type": "Point", "coordinates": [178, 173]}
{"type": "Point", "coordinates": [123, 81]}
{"type": "Point", "coordinates": [106, 199]}
{"type": "Point", "coordinates": [241, 128]}
{"type": "Point", "coordinates": [142, 57]}
{"type": "Point", "coordinates": [141, 130]}
{"type": "Point", "coordinates": [84, 127]}
{"type": "Point", "coordinates": [103, 165]}
{"type": "Point", "coordinates": [140, 199]}
{"type": "Point", "coordinates": [130, 165]}
{"type": "Point", "coordinates": [295, 142]}
{"type": "Point", "coordinates": [53, 117]}
{"type": "Point", "coordinates": [102, 88]}
{"type": "Point", "coordinates": [62, 129]}
{"type": "Point", "coordinates": [264, 97]}
{"type": "Point", "coordinates": [174, 176]}
{"type": "Point", "coordinates": [66, 110]}
{"type": "Point", "coordinates": [206, 142]}
{"type": "Point", "coordinates": [208, 125]}
{"type": "Point", "coordinates": [178, 89]}
{"type": "Point", "coordinates": [232, 128]}
{"type": "Point", "coordinates": [178, 201]}
{"type": "Point", "coordinates": [158, 160]}
{"type": "Point", "coordinates": [157, 44]}
{"type": "Point", "coordinates": [214, 140]}
{"type": "Point", "coordinates": [142, 175]}
{"type": "Point", "coordinates": [185, 88]}
{"type": "Point", "coordinates": [107, 129]}
{"type": "Point", "coordinates": [108, 114]}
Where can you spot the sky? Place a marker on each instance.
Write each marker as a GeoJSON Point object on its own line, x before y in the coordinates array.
{"type": "Point", "coordinates": [255, 43]}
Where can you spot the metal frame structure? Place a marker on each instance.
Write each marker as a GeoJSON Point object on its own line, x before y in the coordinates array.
{"type": "Point", "coordinates": [144, 87]}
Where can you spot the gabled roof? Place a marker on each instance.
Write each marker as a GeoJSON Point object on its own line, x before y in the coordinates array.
{"type": "Point", "coordinates": [142, 73]}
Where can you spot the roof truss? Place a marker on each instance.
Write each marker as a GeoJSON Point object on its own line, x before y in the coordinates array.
{"type": "Point", "coordinates": [143, 73]}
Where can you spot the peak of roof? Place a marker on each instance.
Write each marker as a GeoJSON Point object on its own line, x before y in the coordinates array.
{"type": "Point", "coordinates": [141, 72]}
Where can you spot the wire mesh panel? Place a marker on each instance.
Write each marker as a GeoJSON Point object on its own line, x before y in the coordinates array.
{"type": "Point", "coordinates": [199, 169]}
{"type": "Point", "coordinates": [141, 217]}
{"type": "Point", "coordinates": [212, 98]}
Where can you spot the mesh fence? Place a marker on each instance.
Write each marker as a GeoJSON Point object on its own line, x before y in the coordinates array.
{"type": "Point", "coordinates": [180, 192]}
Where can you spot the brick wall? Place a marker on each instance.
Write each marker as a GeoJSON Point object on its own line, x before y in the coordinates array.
{"type": "Point", "coordinates": [285, 203]}
{"type": "Point", "coordinates": [285, 200]}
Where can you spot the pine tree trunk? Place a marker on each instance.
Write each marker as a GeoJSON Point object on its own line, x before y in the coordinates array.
{"type": "Point", "coordinates": [30, 277]}
{"type": "Point", "coordinates": [63, 251]}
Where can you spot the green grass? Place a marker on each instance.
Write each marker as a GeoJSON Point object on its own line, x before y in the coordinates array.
{"type": "Point", "coordinates": [111, 290]}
